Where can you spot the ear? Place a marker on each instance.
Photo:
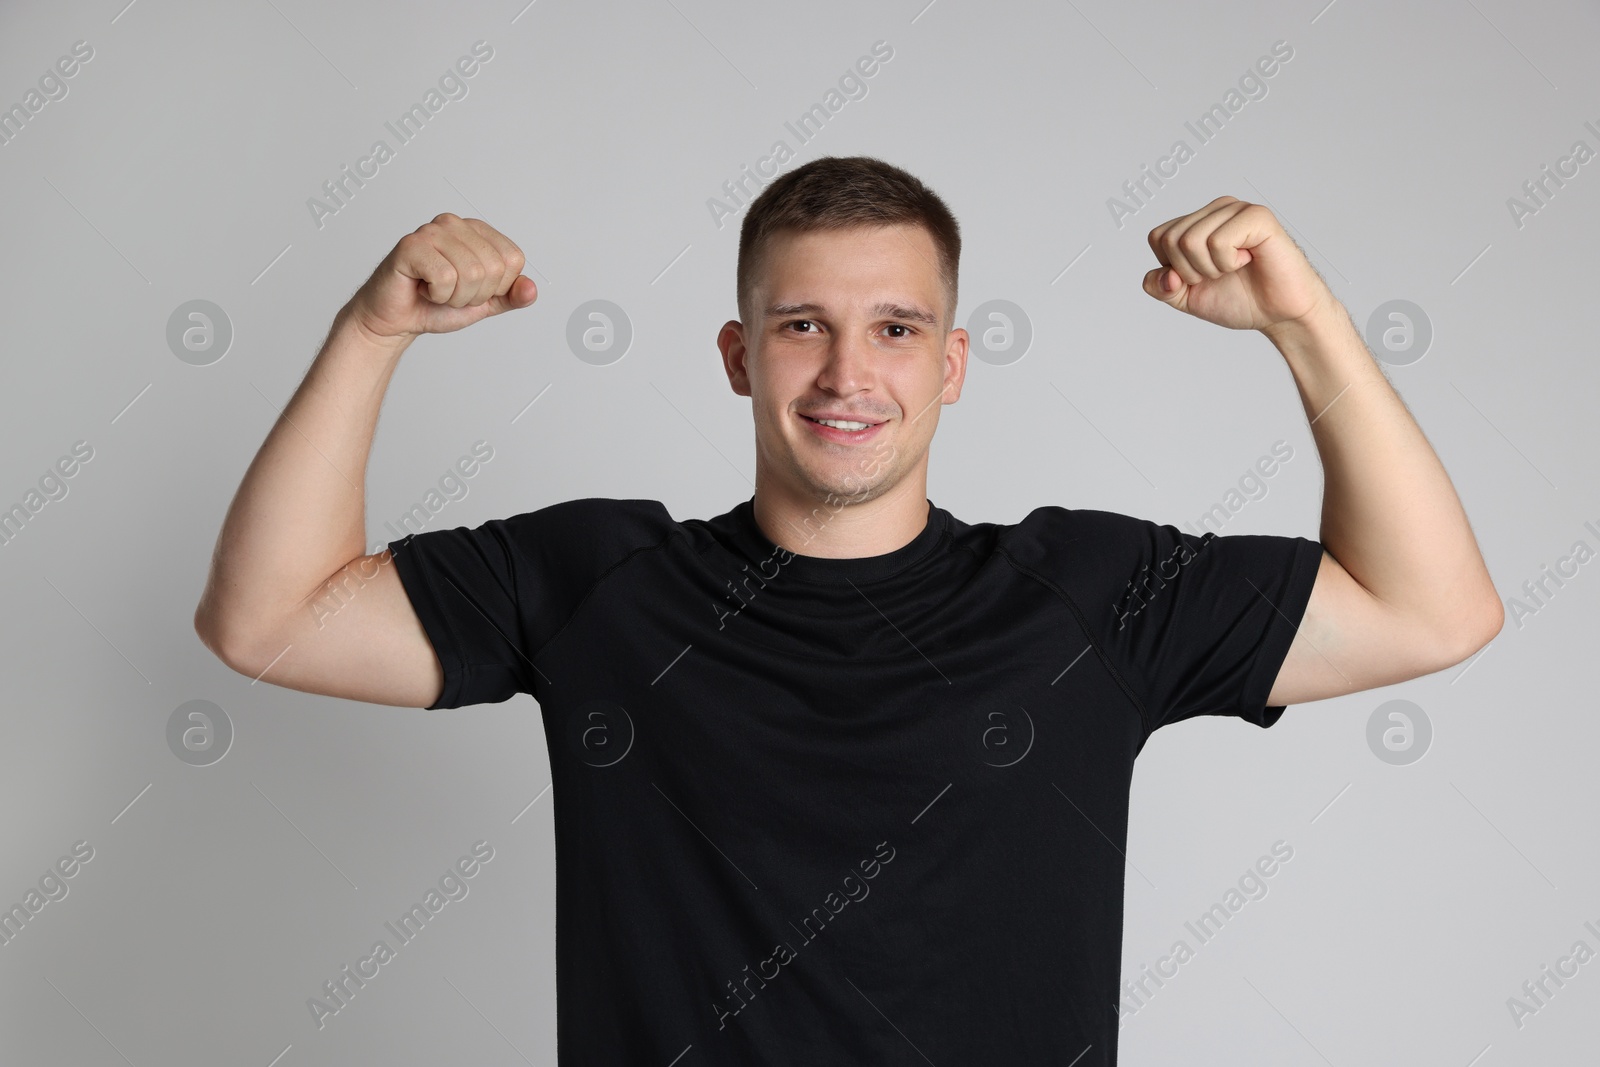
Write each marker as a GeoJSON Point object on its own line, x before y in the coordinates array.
{"type": "Point", "coordinates": [955, 362]}
{"type": "Point", "coordinates": [735, 356]}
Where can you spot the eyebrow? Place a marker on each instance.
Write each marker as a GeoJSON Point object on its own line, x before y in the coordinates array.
{"type": "Point", "coordinates": [888, 309]}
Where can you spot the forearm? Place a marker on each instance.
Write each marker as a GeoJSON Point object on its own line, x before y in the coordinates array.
{"type": "Point", "coordinates": [300, 512]}
{"type": "Point", "coordinates": [1390, 514]}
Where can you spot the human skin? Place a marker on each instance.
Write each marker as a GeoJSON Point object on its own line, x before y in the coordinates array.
{"type": "Point", "coordinates": [855, 322]}
{"type": "Point", "coordinates": [1402, 589]}
{"type": "Point", "coordinates": [852, 322]}
{"type": "Point", "coordinates": [290, 589]}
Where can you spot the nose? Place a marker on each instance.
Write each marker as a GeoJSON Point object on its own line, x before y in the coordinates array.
{"type": "Point", "coordinates": [848, 366]}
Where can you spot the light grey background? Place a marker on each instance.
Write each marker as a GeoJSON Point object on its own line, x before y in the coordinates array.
{"type": "Point", "coordinates": [179, 166]}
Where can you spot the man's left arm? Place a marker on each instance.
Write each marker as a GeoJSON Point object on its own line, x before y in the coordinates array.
{"type": "Point", "coordinates": [1402, 589]}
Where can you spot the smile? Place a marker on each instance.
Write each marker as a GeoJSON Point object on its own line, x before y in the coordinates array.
{"type": "Point", "coordinates": [843, 431]}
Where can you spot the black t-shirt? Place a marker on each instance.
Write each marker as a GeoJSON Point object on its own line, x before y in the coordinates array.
{"type": "Point", "coordinates": [866, 810]}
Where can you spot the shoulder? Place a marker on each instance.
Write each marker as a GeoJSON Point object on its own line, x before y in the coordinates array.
{"type": "Point", "coordinates": [570, 540]}
{"type": "Point", "coordinates": [603, 516]}
{"type": "Point", "coordinates": [1051, 536]}
{"type": "Point", "coordinates": [600, 529]}
{"type": "Point", "coordinates": [1091, 555]}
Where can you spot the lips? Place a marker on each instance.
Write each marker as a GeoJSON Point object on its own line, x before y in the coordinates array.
{"type": "Point", "coordinates": [816, 416]}
{"type": "Point", "coordinates": [848, 437]}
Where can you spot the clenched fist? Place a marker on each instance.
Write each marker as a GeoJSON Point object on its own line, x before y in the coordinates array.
{"type": "Point", "coordinates": [441, 277]}
{"type": "Point", "coordinates": [1231, 263]}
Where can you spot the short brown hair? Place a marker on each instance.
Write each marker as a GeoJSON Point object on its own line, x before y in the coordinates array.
{"type": "Point", "coordinates": [838, 192]}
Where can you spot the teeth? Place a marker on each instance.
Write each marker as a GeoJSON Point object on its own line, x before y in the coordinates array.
{"type": "Point", "coordinates": [841, 425]}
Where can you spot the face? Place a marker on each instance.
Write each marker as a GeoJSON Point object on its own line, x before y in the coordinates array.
{"type": "Point", "coordinates": [847, 325]}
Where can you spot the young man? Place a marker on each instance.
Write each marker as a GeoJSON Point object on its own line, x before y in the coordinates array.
{"type": "Point", "coordinates": [838, 777]}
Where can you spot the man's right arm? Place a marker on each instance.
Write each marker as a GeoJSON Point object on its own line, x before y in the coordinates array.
{"type": "Point", "coordinates": [292, 596]}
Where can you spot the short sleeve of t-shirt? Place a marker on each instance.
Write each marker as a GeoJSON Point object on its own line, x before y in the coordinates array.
{"type": "Point", "coordinates": [490, 597]}
{"type": "Point", "coordinates": [1198, 624]}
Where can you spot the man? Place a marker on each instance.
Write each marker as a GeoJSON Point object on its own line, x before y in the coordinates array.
{"type": "Point", "coordinates": [838, 777]}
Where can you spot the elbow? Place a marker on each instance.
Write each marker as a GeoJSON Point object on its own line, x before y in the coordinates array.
{"type": "Point", "coordinates": [210, 636]}
{"type": "Point", "coordinates": [1469, 632]}
{"type": "Point", "coordinates": [1494, 620]}
{"type": "Point", "coordinates": [1490, 619]}
{"type": "Point", "coordinates": [204, 628]}
{"type": "Point", "coordinates": [221, 639]}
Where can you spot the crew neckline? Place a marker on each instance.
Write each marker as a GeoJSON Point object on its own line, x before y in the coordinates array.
{"type": "Point", "coordinates": [775, 560]}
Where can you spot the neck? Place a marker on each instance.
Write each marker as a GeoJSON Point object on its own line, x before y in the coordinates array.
{"type": "Point", "coordinates": [842, 527]}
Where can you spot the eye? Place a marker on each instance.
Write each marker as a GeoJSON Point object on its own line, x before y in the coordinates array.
{"type": "Point", "coordinates": [799, 322]}
{"type": "Point", "coordinates": [900, 326]}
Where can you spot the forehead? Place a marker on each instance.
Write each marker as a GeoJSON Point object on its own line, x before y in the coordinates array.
{"type": "Point", "coordinates": [883, 270]}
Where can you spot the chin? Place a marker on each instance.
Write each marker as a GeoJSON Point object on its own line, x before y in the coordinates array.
{"type": "Point", "coordinates": [840, 486]}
